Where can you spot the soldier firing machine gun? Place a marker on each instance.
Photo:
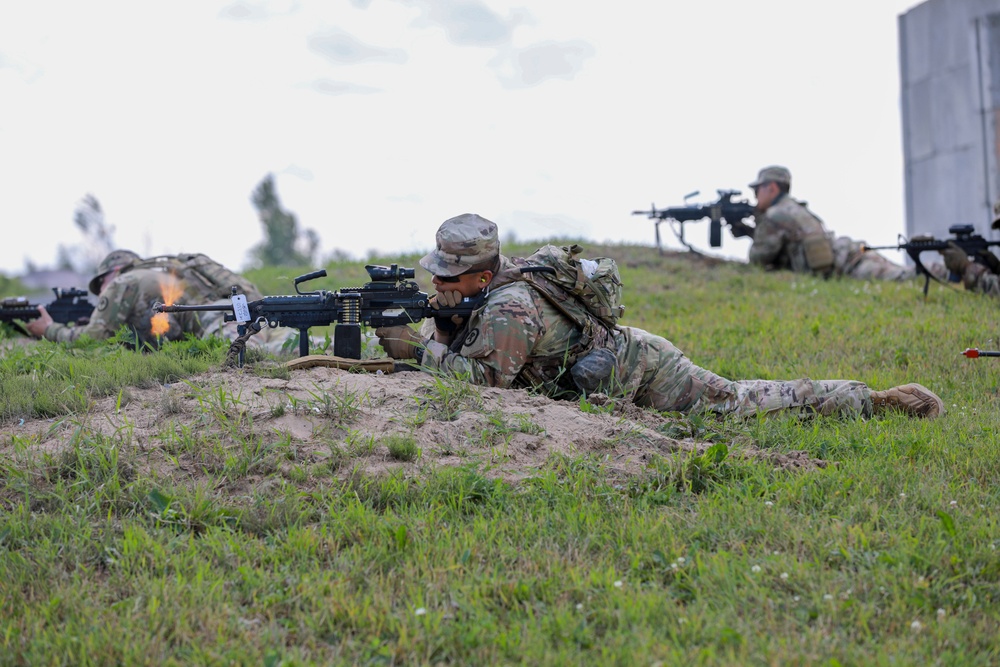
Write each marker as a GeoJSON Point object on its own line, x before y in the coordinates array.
{"type": "Point", "coordinates": [391, 298]}
{"type": "Point", "coordinates": [69, 307]}
{"type": "Point", "coordinates": [725, 209]}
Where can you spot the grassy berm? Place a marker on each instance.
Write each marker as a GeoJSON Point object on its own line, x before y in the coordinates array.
{"type": "Point", "coordinates": [157, 509]}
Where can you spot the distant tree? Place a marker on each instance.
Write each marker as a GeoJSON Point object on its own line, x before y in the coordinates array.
{"type": "Point", "coordinates": [11, 286]}
{"type": "Point", "coordinates": [283, 244]}
{"type": "Point", "coordinates": [98, 238]}
{"type": "Point", "coordinates": [339, 255]}
{"type": "Point", "coordinates": [64, 259]}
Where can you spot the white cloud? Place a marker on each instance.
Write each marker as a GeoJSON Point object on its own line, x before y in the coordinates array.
{"type": "Point", "coordinates": [380, 120]}
{"type": "Point", "coordinates": [340, 47]}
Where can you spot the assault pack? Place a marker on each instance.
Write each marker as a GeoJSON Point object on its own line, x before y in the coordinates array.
{"type": "Point", "coordinates": [212, 278]}
{"type": "Point", "coordinates": [575, 287]}
{"type": "Point", "coordinates": [588, 292]}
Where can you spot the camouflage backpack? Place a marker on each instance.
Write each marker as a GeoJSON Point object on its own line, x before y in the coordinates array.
{"type": "Point", "coordinates": [588, 292]}
{"type": "Point", "coordinates": [209, 277]}
{"type": "Point", "coordinates": [576, 287]}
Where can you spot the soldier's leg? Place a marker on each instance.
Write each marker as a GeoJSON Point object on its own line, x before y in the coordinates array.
{"type": "Point", "coordinates": [851, 259]}
{"type": "Point", "coordinates": [872, 266]}
{"type": "Point", "coordinates": [671, 382]}
{"type": "Point", "coordinates": [983, 281]}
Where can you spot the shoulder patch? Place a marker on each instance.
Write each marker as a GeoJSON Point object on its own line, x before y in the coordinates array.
{"type": "Point", "coordinates": [102, 303]}
{"type": "Point", "coordinates": [471, 337]}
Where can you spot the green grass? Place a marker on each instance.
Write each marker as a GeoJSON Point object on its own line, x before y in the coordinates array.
{"type": "Point", "coordinates": [402, 447]}
{"type": "Point", "coordinates": [889, 555]}
{"type": "Point", "coordinates": [47, 379]}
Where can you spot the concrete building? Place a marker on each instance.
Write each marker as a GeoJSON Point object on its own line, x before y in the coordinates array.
{"type": "Point", "coordinates": [949, 54]}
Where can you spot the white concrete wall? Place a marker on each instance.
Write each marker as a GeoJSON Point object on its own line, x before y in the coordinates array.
{"type": "Point", "coordinates": [949, 53]}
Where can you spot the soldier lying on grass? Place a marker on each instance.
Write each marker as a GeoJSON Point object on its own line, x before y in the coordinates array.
{"type": "Point", "coordinates": [127, 286]}
{"type": "Point", "coordinates": [982, 276]}
{"type": "Point", "coordinates": [787, 235]}
{"type": "Point", "coordinates": [519, 339]}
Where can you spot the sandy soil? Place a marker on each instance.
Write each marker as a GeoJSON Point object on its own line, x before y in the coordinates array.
{"type": "Point", "coordinates": [323, 412]}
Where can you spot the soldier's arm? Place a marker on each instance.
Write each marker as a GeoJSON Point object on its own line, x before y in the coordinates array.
{"type": "Point", "coordinates": [113, 308]}
{"type": "Point", "coordinates": [496, 346]}
{"type": "Point", "coordinates": [63, 333]}
{"type": "Point", "coordinates": [979, 279]}
{"type": "Point", "coordinates": [768, 241]}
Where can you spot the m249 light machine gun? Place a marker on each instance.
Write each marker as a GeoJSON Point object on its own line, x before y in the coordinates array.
{"type": "Point", "coordinates": [69, 307]}
{"type": "Point", "coordinates": [725, 209]}
{"type": "Point", "coordinates": [391, 298]}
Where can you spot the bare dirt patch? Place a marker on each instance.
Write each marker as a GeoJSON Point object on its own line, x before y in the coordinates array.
{"type": "Point", "coordinates": [322, 415]}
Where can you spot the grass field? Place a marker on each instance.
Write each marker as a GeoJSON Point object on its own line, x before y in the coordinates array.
{"type": "Point", "coordinates": [120, 551]}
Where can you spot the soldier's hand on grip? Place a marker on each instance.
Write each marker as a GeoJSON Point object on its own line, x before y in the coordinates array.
{"type": "Point", "coordinates": [399, 342]}
{"type": "Point", "coordinates": [37, 326]}
{"type": "Point", "coordinates": [447, 299]}
{"type": "Point", "coordinates": [956, 259]}
{"type": "Point", "coordinates": [990, 260]}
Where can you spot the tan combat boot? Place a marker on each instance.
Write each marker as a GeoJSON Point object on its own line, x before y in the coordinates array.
{"type": "Point", "coordinates": [913, 399]}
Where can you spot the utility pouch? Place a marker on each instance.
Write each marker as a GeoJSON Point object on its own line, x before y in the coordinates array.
{"type": "Point", "coordinates": [595, 371]}
{"type": "Point", "coordinates": [819, 252]}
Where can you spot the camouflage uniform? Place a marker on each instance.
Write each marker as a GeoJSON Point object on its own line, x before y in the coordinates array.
{"type": "Point", "coordinates": [851, 259]}
{"type": "Point", "coordinates": [978, 278]}
{"type": "Point", "coordinates": [778, 243]}
{"type": "Point", "coordinates": [779, 233]}
{"type": "Point", "coordinates": [789, 236]}
{"type": "Point", "coordinates": [129, 297]}
{"type": "Point", "coordinates": [128, 300]}
{"type": "Point", "coordinates": [517, 339]}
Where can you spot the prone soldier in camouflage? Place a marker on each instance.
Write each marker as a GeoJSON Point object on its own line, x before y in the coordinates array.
{"type": "Point", "coordinates": [517, 339]}
{"type": "Point", "coordinates": [787, 235]}
{"type": "Point", "coordinates": [128, 286]}
{"type": "Point", "coordinates": [976, 276]}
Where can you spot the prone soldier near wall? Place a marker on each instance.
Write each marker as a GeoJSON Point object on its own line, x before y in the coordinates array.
{"type": "Point", "coordinates": [979, 272]}
{"type": "Point", "coordinates": [787, 235]}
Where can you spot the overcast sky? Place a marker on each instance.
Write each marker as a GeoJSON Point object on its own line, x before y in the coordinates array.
{"type": "Point", "coordinates": [382, 118]}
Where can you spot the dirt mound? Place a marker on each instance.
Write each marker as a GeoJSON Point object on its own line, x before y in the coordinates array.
{"type": "Point", "coordinates": [376, 423]}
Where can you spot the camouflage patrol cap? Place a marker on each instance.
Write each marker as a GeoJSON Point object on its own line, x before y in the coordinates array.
{"type": "Point", "coordinates": [462, 242]}
{"type": "Point", "coordinates": [773, 173]}
{"type": "Point", "coordinates": [115, 259]}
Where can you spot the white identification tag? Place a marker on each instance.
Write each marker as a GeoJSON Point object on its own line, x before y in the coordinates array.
{"type": "Point", "coordinates": [240, 308]}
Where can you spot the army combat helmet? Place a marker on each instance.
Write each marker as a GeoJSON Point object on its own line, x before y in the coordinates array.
{"type": "Point", "coordinates": [115, 260]}
{"type": "Point", "coordinates": [464, 242]}
{"type": "Point", "coordinates": [774, 173]}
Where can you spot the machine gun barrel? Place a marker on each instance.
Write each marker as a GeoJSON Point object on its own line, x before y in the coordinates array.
{"type": "Point", "coordinates": [184, 308]}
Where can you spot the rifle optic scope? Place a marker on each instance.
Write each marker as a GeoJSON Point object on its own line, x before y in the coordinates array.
{"type": "Point", "coordinates": [69, 292]}
{"type": "Point", "coordinates": [392, 273]}
{"type": "Point", "coordinates": [962, 231]}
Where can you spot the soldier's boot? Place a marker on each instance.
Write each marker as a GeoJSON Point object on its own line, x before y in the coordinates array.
{"type": "Point", "coordinates": [913, 399]}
